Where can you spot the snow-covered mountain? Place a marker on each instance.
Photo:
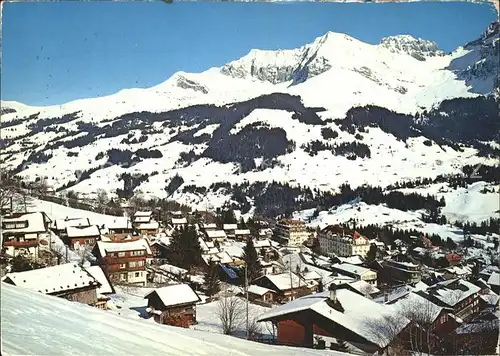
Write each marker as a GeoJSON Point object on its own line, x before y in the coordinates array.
{"type": "Point", "coordinates": [333, 111]}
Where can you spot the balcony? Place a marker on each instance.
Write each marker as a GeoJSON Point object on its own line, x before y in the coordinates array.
{"type": "Point", "coordinates": [118, 260]}
{"type": "Point", "coordinates": [21, 244]}
{"type": "Point", "coordinates": [116, 268]}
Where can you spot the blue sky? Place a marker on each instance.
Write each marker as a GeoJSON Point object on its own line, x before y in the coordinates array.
{"type": "Point", "coordinates": [55, 52]}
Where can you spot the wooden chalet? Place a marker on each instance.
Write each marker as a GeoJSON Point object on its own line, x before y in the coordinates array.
{"type": "Point", "coordinates": [68, 281]}
{"type": "Point", "coordinates": [173, 305]}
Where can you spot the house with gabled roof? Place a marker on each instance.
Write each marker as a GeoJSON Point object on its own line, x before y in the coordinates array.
{"type": "Point", "coordinates": [68, 281]}
{"type": "Point", "coordinates": [22, 233]}
{"type": "Point", "coordinates": [87, 236]}
{"type": "Point", "coordinates": [173, 305]}
{"type": "Point", "coordinates": [124, 262]}
{"type": "Point", "coordinates": [59, 226]}
{"type": "Point", "coordinates": [341, 314]}
{"type": "Point", "coordinates": [287, 286]}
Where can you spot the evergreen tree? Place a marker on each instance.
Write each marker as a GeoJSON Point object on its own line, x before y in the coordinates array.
{"type": "Point", "coordinates": [242, 223]}
{"type": "Point", "coordinates": [212, 281]}
{"type": "Point", "coordinates": [252, 260]}
{"type": "Point", "coordinates": [495, 243]}
{"type": "Point", "coordinates": [228, 217]}
{"type": "Point", "coordinates": [184, 249]}
{"type": "Point", "coordinates": [321, 287]}
{"type": "Point", "coordinates": [372, 254]}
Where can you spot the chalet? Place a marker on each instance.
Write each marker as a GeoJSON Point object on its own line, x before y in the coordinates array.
{"type": "Point", "coordinates": [59, 226]}
{"type": "Point", "coordinates": [429, 321]}
{"type": "Point", "coordinates": [242, 234]}
{"type": "Point", "coordinates": [177, 223]}
{"type": "Point", "coordinates": [150, 228]}
{"type": "Point", "coordinates": [120, 228]}
{"type": "Point", "coordinates": [216, 235]}
{"type": "Point", "coordinates": [142, 217]}
{"type": "Point", "coordinates": [22, 233]}
{"type": "Point", "coordinates": [173, 305]}
{"type": "Point", "coordinates": [460, 296]}
{"type": "Point", "coordinates": [124, 262]}
{"type": "Point", "coordinates": [207, 227]}
{"type": "Point", "coordinates": [106, 287]}
{"type": "Point", "coordinates": [479, 336]}
{"type": "Point", "coordinates": [342, 314]}
{"type": "Point", "coordinates": [230, 229]}
{"type": "Point", "coordinates": [260, 294]}
{"type": "Point", "coordinates": [68, 281]}
{"type": "Point", "coordinates": [77, 237]}
{"type": "Point", "coordinates": [287, 286]}
{"type": "Point", "coordinates": [357, 272]}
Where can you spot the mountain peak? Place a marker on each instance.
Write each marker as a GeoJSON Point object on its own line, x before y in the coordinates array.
{"type": "Point", "coordinates": [416, 47]}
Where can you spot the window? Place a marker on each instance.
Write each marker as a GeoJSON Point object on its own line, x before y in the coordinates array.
{"type": "Point", "coordinates": [136, 274]}
{"type": "Point", "coordinates": [123, 266]}
{"type": "Point", "coordinates": [121, 254]}
{"type": "Point", "coordinates": [123, 276]}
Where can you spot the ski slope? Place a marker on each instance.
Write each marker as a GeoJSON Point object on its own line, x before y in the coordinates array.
{"type": "Point", "coordinates": [37, 324]}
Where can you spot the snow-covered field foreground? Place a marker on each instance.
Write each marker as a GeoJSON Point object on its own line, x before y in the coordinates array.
{"type": "Point", "coordinates": [36, 324]}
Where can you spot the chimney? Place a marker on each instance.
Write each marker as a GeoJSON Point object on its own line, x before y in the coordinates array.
{"type": "Point", "coordinates": [333, 293]}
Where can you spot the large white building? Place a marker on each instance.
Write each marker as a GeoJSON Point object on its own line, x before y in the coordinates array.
{"type": "Point", "coordinates": [344, 244]}
{"type": "Point", "coordinates": [292, 232]}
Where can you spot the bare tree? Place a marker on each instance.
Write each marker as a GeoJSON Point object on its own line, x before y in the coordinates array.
{"type": "Point", "coordinates": [231, 313]}
{"type": "Point", "coordinates": [84, 253]}
{"type": "Point", "coordinates": [102, 200]}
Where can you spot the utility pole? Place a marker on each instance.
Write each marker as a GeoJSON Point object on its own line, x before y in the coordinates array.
{"type": "Point", "coordinates": [246, 292]}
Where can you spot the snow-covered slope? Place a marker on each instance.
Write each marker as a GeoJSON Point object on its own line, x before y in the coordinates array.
{"type": "Point", "coordinates": [255, 119]}
{"type": "Point", "coordinates": [36, 324]}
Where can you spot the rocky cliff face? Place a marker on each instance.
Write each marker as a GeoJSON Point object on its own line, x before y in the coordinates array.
{"type": "Point", "coordinates": [416, 47]}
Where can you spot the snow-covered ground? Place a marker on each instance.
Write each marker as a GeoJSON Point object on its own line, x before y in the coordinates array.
{"type": "Point", "coordinates": [465, 203]}
{"type": "Point", "coordinates": [57, 211]}
{"type": "Point", "coordinates": [342, 72]}
{"type": "Point", "coordinates": [365, 214]}
{"type": "Point", "coordinates": [208, 319]}
{"type": "Point", "coordinates": [37, 324]}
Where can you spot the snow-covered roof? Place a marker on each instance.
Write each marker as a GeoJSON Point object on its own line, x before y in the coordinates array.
{"type": "Point", "coordinates": [179, 221]}
{"type": "Point", "coordinates": [349, 268]}
{"type": "Point", "coordinates": [54, 279]}
{"type": "Point", "coordinates": [242, 232]}
{"type": "Point", "coordinates": [89, 231]}
{"type": "Point", "coordinates": [142, 219]}
{"type": "Point", "coordinates": [62, 224]}
{"type": "Point", "coordinates": [136, 245]}
{"type": "Point", "coordinates": [216, 234]}
{"type": "Point", "coordinates": [311, 275]}
{"type": "Point", "coordinates": [494, 279]}
{"type": "Point", "coordinates": [230, 226]}
{"type": "Point", "coordinates": [447, 293]}
{"type": "Point", "coordinates": [176, 294]}
{"type": "Point", "coordinates": [209, 226]}
{"type": "Point", "coordinates": [153, 225]}
{"type": "Point", "coordinates": [353, 260]}
{"type": "Point", "coordinates": [99, 276]}
{"type": "Point", "coordinates": [257, 290]}
{"type": "Point", "coordinates": [143, 213]}
{"type": "Point", "coordinates": [490, 298]}
{"type": "Point", "coordinates": [173, 269]}
{"type": "Point", "coordinates": [121, 222]}
{"type": "Point", "coordinates": [361, 315]}
{"type": "Point", "coordinates": [232, 250]}
{"type": "Point", "coordinates": [35, 222]}
{"type": "Point", "coordinates": [416, 307]}
{"type": "Point", "coordinates": [285, 281]}
{"type": "Point", "coordinates": [63, 320]}
{"type": "Point", "coordinates": [221, 257]}
{"type": "Point", "coordinates": [262, 243]}
{"type": "Point", "coordinates": [364, 287]}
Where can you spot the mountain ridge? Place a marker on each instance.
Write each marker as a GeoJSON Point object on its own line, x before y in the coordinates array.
{"type": "Point", "coordinates": [364, 120]}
